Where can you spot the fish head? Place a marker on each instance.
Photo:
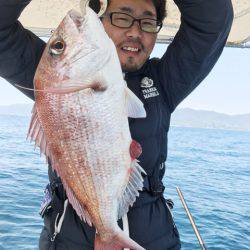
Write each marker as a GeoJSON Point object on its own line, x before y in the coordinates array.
{"type": "Point", "coordinates": [78, 48]}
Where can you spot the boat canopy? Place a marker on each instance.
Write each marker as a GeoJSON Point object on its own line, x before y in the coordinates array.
{"type": "Point", "coordinates": [42, 16]}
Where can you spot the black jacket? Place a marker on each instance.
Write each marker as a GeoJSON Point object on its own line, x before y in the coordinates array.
{"type": "Point", "coordinates": [161, 84]}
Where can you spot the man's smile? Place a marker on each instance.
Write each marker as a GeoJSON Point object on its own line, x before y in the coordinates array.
{"type": "Point", "coordinates": [131, 50]}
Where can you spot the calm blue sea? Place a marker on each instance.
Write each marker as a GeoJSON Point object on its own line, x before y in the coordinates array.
{"type": "Point", "coordinates": [212, 168]}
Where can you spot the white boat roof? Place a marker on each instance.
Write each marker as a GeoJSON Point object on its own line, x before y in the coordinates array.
{"type": "Point", "coordinates": [42, 17]}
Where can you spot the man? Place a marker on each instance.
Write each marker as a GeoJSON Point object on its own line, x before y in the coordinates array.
{"type": "Point", "coordinates": [161, 84]}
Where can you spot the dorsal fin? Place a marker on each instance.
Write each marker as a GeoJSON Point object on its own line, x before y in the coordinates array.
{"type": "Point", "coordinates": [36, 133]}
{"type": "Point", "coordinates": [81, 212]}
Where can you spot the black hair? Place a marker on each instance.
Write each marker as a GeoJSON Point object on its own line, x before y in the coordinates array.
{"type": "Point", "coordinates": [160, 6]}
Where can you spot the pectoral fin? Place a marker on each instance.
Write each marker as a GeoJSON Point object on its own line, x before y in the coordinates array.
{"type": "Point", "coordinates": [135, 108]}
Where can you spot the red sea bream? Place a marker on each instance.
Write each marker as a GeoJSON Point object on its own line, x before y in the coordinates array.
{"type": "Point", "coordinates": [80, 122]}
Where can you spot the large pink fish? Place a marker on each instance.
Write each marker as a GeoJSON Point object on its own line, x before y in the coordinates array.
{"type": "Point", "coordinates": [80, 122]}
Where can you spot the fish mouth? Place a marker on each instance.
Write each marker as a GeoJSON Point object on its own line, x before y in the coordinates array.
{"type": "Point", "coordinates": [77, 19]}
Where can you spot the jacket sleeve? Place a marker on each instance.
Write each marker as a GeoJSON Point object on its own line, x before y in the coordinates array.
{"type": "Point", "coordinates": [205, 25]}
{"type": "Point", "coordinates": [20, 49]}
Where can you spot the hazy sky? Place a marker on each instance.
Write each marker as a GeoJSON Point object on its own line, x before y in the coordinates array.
{"type": "Point", "coordinates": [225, 90]}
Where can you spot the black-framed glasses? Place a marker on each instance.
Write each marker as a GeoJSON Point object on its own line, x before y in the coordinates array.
{"type": "Point", "coordinates": [123, 20]}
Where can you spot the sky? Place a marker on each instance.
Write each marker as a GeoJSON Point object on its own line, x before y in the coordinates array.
{"type": "Point", "coordinates": [225, 90]}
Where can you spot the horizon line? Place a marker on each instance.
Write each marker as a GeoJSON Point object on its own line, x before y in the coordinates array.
{"type": "Point", "coordinates": [205, 110]}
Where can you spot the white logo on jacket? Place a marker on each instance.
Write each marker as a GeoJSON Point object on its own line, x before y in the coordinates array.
{"type": "Point", "coordinates": [148, 90]}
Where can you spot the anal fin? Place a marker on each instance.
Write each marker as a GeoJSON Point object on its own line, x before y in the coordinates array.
{"type": "Point", "coordinates": [134, 185]}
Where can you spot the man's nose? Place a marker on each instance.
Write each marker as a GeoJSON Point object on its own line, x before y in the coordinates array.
{"type": "Point", "coordinates": [134, 30]}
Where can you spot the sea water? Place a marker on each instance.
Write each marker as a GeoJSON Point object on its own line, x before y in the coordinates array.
{"type": "Point", "coordinates": [212, 168]}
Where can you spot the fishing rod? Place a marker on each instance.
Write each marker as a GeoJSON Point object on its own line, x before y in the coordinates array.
{"type": "Point", "coordinates": [201, 242]}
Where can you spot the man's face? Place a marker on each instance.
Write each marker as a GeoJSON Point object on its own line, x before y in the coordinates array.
{"type": "Point", "coordinates": [133, 45]}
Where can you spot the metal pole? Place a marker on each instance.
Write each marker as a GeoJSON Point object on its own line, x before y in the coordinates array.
{"type": "Point", "coordinates": [202, 244]}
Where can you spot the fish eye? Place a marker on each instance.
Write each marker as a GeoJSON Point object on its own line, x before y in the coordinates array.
{"type": "Point", "coordinates": [57, 47]}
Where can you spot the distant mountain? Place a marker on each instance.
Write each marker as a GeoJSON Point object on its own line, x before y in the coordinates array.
{"type": "Point", "coordinates": [180, 118]}
{"type": "Point", "coordinates": [210, 119]}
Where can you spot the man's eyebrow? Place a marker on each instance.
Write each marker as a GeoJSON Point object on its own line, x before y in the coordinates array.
{"type": "Point", "coordinates": [126, 9]}
{"type": "Point", "coordinates": [148, 13]}
{"type": "Point", "coordinates": [130, 11]}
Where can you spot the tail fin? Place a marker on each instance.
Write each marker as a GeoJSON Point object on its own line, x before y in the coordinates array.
{"type": "Point", "coordinates": [119, 242]}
